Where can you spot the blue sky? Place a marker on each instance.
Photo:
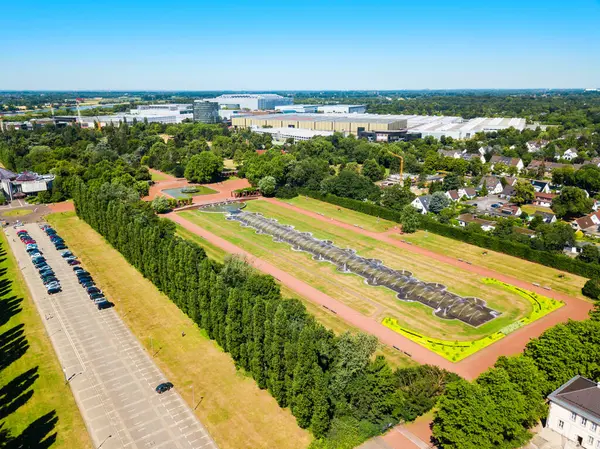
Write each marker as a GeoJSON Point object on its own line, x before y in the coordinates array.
{"type": "Point", "coordinates": [308, 44]}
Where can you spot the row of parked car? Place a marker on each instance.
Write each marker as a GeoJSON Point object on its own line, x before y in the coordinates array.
{"type": "Point", "coordinates": [46, 273]}
{"type": "Point", "coordinates": [83, 277]}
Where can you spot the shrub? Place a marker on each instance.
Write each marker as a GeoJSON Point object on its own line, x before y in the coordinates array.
{"type": "Point", "coordinates": [591, 289]}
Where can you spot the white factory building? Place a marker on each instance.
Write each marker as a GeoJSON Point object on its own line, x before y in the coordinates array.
{"type": "Point", "coordinates": [297, 134]}
{"type": "Point", "coordinates": [297, 109]}
{"type": "Point", "coordinates": [252, 102]}
{"type": "Point", "coordinates": [343, 109]}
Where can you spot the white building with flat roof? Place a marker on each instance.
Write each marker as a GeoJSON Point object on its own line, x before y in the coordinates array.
{"type": "Point", "coordinates": [297, 108]}
{"type": "Point", "coordinates": [252, 102]}
{"type": "Point", "coordinates": [298, 134]}
{"type": "Point", "coordinates": [343, 109]}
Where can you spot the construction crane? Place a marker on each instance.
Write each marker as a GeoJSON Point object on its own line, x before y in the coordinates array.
{"type": "Point", "coordinates": [401, 164]}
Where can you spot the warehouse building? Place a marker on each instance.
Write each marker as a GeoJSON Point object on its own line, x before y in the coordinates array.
{"type": "Point", "coordinates": [283, 134]}
{"type": "Point", "coordinates": [343, 109]}
{"type": "Point", "coordinates": [252, 102]}
{"type": "Point", "coordinates": [297, 109]}
{"type": "Point", "coordinates": [320, 122]}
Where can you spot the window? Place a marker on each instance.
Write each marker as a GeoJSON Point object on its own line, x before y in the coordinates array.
{"type": "Point", "coordinates": [598, 444]}
{"type": "Point", "coordinates": [573, 416]}
{"type": "Point", "coordinates": [594, 427]}
{"type": "Point", "coordinates": [583, 421]}
{"type": "Point", "coordinates": [590, 440]}
{"type": "Point", "coordinates": [561, 424]}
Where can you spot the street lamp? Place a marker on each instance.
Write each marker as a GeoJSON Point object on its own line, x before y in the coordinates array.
{"type": "Point", "coordinates": [104, 441]}
{"type": "Point", "coordinates": [72, 377]}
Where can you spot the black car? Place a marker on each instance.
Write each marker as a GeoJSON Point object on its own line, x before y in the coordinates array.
{"type": "Point", "coordinates": [104, 305]}
{"type": "Point", "coordinates": [93, 289]}
{"type": "Point", "coordinates": [82, 273]}
{"type": "Point", "coordinates": [77, 269]}
{"type": "Point", "coordinates": [54, 290]}
{"type": "Point", "coordinates": [84, 281]}
{"type": "Point", "coordinates": [94, 296]}
{"type": "Point", "coordinates": [87, 284]}
{"type": "Point", "coordinates": [165, 386]}
{"type": "Point", "coordinates": [50, 280]}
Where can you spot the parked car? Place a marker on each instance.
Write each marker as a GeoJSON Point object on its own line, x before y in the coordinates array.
{"type": "Point", "coordinates": [104, 305]}
{"type": "Point", "coordinates": [87, 284]}
{"type": "Point", "coordinates": [66, 253]}
{"type": "Point", "coordinates": [82, 273]}
{"type": "Point", "coordinates": [73, 262]}
{"type": "Point", "coordinates": [82, 281]}
{"type": "Point", "coordinates": [95, 296]}
{"type": "Point", "coordinates": [59, 247]}
{"type": "Point", "coordinates": [93, 289]}
{"type": "Point", "coordinates": [165, 386]}
{"type": "Point", "coordinates": [53, 290]}
{"type": "Point", "coordinates": [77, 269]}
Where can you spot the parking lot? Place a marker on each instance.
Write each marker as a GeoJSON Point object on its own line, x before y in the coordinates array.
{"type": "Point", "coordinates": [485, 204]}
{"type": "Point", "coordinates": [111, 375]}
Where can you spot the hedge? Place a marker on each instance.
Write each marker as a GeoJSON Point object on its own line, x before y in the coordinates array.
{"type": "Point", "coordinates": [488, 241]}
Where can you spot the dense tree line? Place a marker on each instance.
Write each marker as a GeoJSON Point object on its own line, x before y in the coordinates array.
{"type": "Point", "coordinates": [332, 384]}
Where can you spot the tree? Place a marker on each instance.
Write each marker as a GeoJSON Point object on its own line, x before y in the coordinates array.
{"type": "Point", "coordinates": [204, 167]}
{"type": "Point", "coordinates": [267, 185]}
{"type": "Point", "coordinates": [410, 219]}
{"type": "Point", "coordinates": [591, 289]}
{"type": "Point", "coordinates": [484, 189]}
{"type": "Point", "coordinates": [571, 203]}
{"type": "Point", "coordinates": [372, 170]}
{"type": "Point", "coordinates": [161, 205]}
{"type": "Point", "coordinates": [589, 254]}
{"type": "Point", "coordinates": [452, 181]}
{"type": "Point", "coordinates": [438, 201]}
{"type": "Point", "coordinates": [524, 192]}
{"type": "Point", "coordinates": [350, 185]}
{"type": "Point", "coordinates": [397, 196]}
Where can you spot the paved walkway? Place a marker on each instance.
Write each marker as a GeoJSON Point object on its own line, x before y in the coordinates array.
{"type": "Point", "coordinates": [223, 189]}
{"type": "Point", "coordinates": [111, 375]}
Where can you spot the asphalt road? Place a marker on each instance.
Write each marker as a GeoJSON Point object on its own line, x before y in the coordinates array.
{"type": "Point", "coordinates": [111, 375]}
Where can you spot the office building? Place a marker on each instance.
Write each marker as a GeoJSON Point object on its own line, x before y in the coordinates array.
{"type": "Point", "coordinates": [343, 109]}
{"type": "Point", "coordinates": [349, 124]}
{"type": "Point", "coordinates": [252, 102]}
{"type": "Point", "coordinates": [206, 111]}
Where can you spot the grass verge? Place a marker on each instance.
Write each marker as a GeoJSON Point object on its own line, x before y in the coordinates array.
{"type": "Point", "coordinates": [327, 319]}
{"type": "Point", "coordinates": [455, 351]}
{"type": "Point", "coordinates": [36, 407]}
{"type": "Point", "coordinates": [17, 213]}
{"type": "Point", "coordinates": [342, 214]}
{"type": "Point", "coordinates": [235, 411]}
{"type": "Point", "coordinates": [158, 176]}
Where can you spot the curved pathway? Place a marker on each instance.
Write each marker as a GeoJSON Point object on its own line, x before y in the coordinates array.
{"type": "Point", "coordinates": [223, 189]}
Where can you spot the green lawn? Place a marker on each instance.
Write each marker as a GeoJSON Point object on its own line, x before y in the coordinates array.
{"type": "Point", "coordinates": [235, 411]}
{"type": "Point", "coordinates": [524, 270]}
{"type": "Point", "coordinates": [158, 176]}
{"type": "Point", "coordinates": [327, 319]}
{"type": "Point", "coordinates": [200, 190]}
{"type": "Point", "coordinates": [17, 213]}
{"type": "Point", "coordinates": [342, 214]}
{"type": "Point", "coordinates": [531, 209]}
{"type": "Point", "coordinates": [377, 302]}
{"type": "Point", "coordinates": [36, 406]}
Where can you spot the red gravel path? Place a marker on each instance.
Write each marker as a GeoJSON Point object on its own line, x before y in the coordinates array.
{"type": "Point", "coordinates": [513, 343]}
{"type": "Point", "coordinates": [470, 367]}
{"type": "Point", "coordinates": [223, 189]}
{"type": "Point", "coordinates": [65, 206]}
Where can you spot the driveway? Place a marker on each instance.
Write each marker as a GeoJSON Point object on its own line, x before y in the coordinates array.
{"type": "Point", "coordinates": [484, 205]}
{"type": "Point", "coordinates": [111, 375]}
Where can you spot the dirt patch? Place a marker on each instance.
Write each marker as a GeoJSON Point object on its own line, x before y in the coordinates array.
{"type": "Point", "coordinates": [65, 206]}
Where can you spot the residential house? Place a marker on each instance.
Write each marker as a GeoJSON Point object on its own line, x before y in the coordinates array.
{"type": "Point", "coordinates": [454, 154]}
{"type": "Point", "coordinates": [485, 150]}
{"type": "Point", "coordinates": [510, 180]}
{"type": "Point", "coordinates": [547, 217]}
{"type": "Point", "coordinates": [588, 224]}
{"type": "Point", "coordinates": [594, 161]}
{"type": "Point", "coordinates": [453, 195]}
{"type": "Point", "coordinates": [575, 412]}
{"type": "Point", "coordinates": [468, 192]}
{"type": "Point", "coordinates": [549, 166]}
{"type": "Point", "coordinates": [541, 186]}
{"type": "Point", "coordinates": [524, 231]}
{"type": "Point", "coordinates": [510, 209]}
{"type": "Point", "coordinates": [486, 225]}
{"type": "Point", "coordinates": [493, 184]}
{"type": "Point", "coordinates": [508, 161]}
{"type": "Point", "coordinates": [472, 156]}
{"type": "Point", "coordinates": [421, 203]}
{"type": "Point", "coordinates": [543, 199]}
{"type": "Point", "coordinates": [568, 155]}
{"type": "Point", "coordinates": [507, 192]}
{"type": "Point", "coordinates": [535, 146]}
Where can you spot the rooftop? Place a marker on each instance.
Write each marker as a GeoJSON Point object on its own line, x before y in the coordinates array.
{"type": "Point", "coordinates": [580, 395]}
{"type": "Point", "coordinates": [365, 118]}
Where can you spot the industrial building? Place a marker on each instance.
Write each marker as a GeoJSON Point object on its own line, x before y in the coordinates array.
{"type": "Point", "coordinates": [343, 109]}
{"type": "Point", "coordinates": [298, 109]}
{"type": "Point", "coordinates": [351, 123]}
{"type": "Point", "coordinates": [23, 184]}
{"type": "Point", "coordinates": [206, 111]}
{"type": "Point", "coordinates": [283, 134]}
{"type": "Point", "coordinates": [252, 102]}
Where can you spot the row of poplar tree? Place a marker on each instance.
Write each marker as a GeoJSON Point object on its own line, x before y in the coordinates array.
{"type": "Point", "coordinates": [327, 381]}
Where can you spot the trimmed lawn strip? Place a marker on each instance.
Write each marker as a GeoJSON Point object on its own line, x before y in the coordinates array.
{"type": "Point", "coordinates": [17, 213]}
{"type": "Point", "coordinates": [327, 319]}
{"type": "Point", "coordinates": [49, 392]}
{"type": "Point", "coordinates": [524, 270]}
{"type": "Point", "coordinates": [351, 289]}
{"type": "Point", "coordinates": [235, 411]}
{"type": "Point", "coordinates": [158, 176]}
{"type": "Point", "coordinates": [455, 351]}
{"type": "Point", "coordinates": [342, 214]}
